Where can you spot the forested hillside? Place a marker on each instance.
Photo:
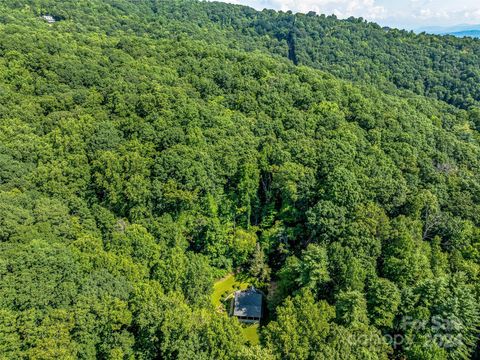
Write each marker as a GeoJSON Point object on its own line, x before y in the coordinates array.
{"type": "Point", "coordinates": [148, 148]}
{"type": "Point", "coordinates": [445, 68]}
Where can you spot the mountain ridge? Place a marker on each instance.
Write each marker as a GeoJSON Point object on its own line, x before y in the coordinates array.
{"type": "Point", "coordinates": [150, 147]}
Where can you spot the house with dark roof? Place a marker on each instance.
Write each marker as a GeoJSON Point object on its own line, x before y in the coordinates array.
{"type": "Point", "coordinates": [247, 305]}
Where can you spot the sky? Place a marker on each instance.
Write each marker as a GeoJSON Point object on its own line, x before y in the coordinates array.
{"type": "Point", "coordinates": [408, 14]}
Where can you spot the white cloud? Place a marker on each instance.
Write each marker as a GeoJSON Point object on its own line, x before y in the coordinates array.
{"type": "Point", "coordinates": [342, 8]}
{"type": "Point", "coordinates": [472, 15]}
{"type": "Point", "coordinates": [425, 14]}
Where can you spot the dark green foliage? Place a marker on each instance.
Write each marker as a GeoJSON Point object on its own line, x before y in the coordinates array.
{"type": "Point", "coordinates": [304, 330]}
{"type": "Point", "coordinates": [149, 147]}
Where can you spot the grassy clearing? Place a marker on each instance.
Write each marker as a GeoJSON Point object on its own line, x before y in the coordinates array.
{"type": "Point", "coordinates": [226, 286]}
{"type": "Point", "coordinates": [250, 332]}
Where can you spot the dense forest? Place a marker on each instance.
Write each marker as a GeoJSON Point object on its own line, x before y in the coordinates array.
{"type": "Point", "coordinates": [150, 147]}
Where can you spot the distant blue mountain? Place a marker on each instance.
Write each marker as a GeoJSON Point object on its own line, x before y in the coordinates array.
{"type": "Point", "coordinates": [458, 30]}
{"type": "Point", "coordinates": [470, 33]}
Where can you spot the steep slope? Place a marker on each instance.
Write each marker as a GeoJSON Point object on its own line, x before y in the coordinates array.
{"type": "Point", "coordinates": [138, 164]}
{"type": "Point", "coordinates": [444, 68]}
{"type": "Point", "coordinates": [353, 49]}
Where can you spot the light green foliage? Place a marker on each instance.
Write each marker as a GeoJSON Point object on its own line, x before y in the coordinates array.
{"type": "Point", "coordinates": [351, 309]}
{"type": "Point", "coordinates": [305, 329]}
{"type": "Point", "coordinates": [148, 147]}
{"type": "Point", "coordinates": [295, 319]}
{"type": "Point", "coordinates": [383, 298]}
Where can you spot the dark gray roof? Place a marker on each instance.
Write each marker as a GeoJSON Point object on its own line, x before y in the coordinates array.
{"type": "Point", "coordinates": [248, 303]}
